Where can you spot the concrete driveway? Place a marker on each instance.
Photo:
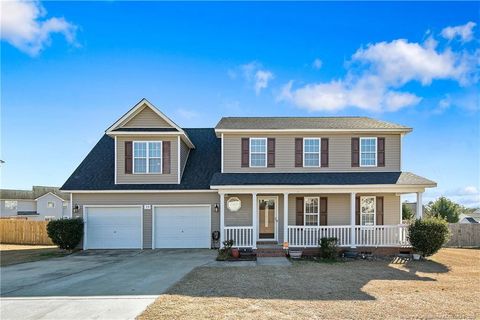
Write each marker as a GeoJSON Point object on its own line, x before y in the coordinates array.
{"type": "Point", "coordinates": [113, 284]}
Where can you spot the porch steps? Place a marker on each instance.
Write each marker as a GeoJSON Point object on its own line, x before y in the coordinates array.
{"type": "Point", "coordinates": [269, 250]}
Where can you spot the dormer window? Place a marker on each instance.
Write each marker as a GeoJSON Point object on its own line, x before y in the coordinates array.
{"type": "Point", "coordinates": [147, 157]}
{"type": "Point", "coordinates": [311, 152]}
{"type": "Point", "coordinates": [258, 152]}
{"type": "Point", "coordinates": [368, 152]}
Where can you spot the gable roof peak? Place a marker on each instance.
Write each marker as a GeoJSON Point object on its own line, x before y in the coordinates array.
{"type": "Point", "coordinates": [141, 105]}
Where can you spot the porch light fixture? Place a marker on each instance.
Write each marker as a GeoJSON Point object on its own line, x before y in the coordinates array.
{"type": "Point", "coordinates": [216, 207]}
{"type": "Point", "coordinates": [76, 208]}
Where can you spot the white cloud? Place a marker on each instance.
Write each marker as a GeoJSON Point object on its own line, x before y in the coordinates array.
{"type": "Point", "coordinates": [400, 61]}
{"type": "Point", "coordinates": [262, 77]}
{"type": "Point", "coordinates": [467, 101]}
{"type": "Point", "coordinates": [468, 196]}
{"type": "Point", "coordinates": [464, 32]}
{"type": "Point", "coordinates": [317, 64]}
{"type": "Point", "coordinates": [255, 74]}
{"type": "Point", "coordinates": [367, 93]}
{"type": "Point", "coordinates": [23, 26]}
{"type": "Point", "coordinates": [376, 73]}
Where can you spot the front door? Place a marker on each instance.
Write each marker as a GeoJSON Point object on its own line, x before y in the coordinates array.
{"type": "Point", "coordinates": [267, 218]}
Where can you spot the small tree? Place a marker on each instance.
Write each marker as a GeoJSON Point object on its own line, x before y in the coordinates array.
{"type": "Point", "coordinates": [428, 235]}
{"type": "Point", "coordinates": [66, 233]}
{"type": "Point", "coordinates": [444, 208]}
{"type": "Point", "coordinates": [407, 212]}
{"type": "Point", "coordinates": [328, 248]}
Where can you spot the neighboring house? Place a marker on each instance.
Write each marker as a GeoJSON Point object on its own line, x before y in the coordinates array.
{"type": "Point", "coordinates": [473, 217]}
{"type": "Point", "coordinates": [40, 203]}
{"type": "Point", "coordinates": [150, 184]}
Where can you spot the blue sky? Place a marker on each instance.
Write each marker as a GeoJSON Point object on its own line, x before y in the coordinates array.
{"type": "Point", "coordinates": [69, 70]}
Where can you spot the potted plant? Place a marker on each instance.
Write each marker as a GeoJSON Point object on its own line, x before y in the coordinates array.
{"type": "Point", "coordinates": [297, 254]}
{"type": "Point", "coordinates": [235, 253]}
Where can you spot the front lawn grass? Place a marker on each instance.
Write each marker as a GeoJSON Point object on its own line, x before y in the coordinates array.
{"type": "Point", "coordinates": [11, 254]}
{"type": "Point", "coordinates": [446, 286]}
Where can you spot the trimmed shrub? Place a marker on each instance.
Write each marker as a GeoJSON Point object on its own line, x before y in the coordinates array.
{"type": "Point", "coordinates": [328, 248]}
{"type": "Point", "coordinates": [428, 235]}
{"type": "Point", "coordinates": [225, 252]}
{"type": "Point", "coordinates": [66, 233]}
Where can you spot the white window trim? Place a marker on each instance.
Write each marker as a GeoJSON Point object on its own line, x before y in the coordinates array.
{"type": "Point", "coordinates": [374, 210]}
{"type": "Point", "coordinates": [12, 207]}
{"type": "Point", "coordinates": [53, 204]}
{"type": "Point", "coordinates": [305, 214]}
{"type": "Point", "coordinates": [360, 152]}
{"type": "Point", "coordinates": [319, 152]}
{"type": "Point", "coordinates": [250, 152]}
{"type": "Point", "coordinates": [147, 157]}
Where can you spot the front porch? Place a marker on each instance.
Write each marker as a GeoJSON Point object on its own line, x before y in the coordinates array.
{"type": "Point", "coordinates": [276, 218]}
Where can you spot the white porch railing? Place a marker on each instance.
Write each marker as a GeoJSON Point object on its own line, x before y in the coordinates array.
{"type": "Point", "coordinates": [241, 236]}
{"type": "Point", "coordinates": [389, 235]}
{"type": "Point", "coordinates": [386, 235]}
{"type": "Point", "coordinates": [309, 236]}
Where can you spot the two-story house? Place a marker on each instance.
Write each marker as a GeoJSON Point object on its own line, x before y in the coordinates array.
{"type": "Point", "coordinates": [41, 203]}
{"type": "Point", "coordinates": [288, 181]}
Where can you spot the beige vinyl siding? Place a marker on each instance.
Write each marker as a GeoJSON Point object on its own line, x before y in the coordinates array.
{"type": "Point", "coordinates": [184, 151]}
{"type": "Point", "coordinates": [242, 217]}
{"type": "Point", "coordinates": [339, 153]}
{"type": "Point", "coordinates": [339, 208]}
{"type": "Point", "coordinates": [146, 118]}
{"type": "Point", "coordinates": [143, 178]}
{"type": "Point", "coordinates": [209, 198]}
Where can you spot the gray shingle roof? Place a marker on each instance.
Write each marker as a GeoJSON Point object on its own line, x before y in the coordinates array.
{"type": "Point", "coordinates": [323, 178]}
{"type": "Point", "coordinates": [278, 123]}
{"type": "Point", "coordinates": [36, 192]}
{"type": "Point", "coordinates": [146, 129]}
{"type": "Point", "coordinates": [96, 172]}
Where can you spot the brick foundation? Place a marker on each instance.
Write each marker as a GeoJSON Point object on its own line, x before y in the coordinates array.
{"type": "Point", "coordinates": [377, 251]}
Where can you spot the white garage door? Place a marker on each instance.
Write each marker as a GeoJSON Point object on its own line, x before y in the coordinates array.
{"type": "Point", "coordinates": [113, 227]}
{"type": "Point", "coordinates": [182, 227]}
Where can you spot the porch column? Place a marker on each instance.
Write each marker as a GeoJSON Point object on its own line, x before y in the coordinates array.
{"type": "Point", "coordinates": [352, 220]}
{"type": "Point", "coordinates": [285, 217]}
{"type": "Point", "coordinates": [254, 219]}
{"type": "Point", "coordinates": [222, 219]}
{"type": "Point", "coordinates": [419, 214]}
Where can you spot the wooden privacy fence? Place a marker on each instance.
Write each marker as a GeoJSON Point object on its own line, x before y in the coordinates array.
{"type": "Point", "coordinates": [24, 232]}
{"type": "Point", "coordinates": [464, 235]}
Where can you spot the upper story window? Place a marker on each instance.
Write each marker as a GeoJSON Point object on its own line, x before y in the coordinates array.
{"type": "Point", "coordinates": [368, 152]}
{"type": "Point", "coordinates": [50, 204]}
{"type": "Point", "coordinates": [311, 211]}
{"type": "Point", "coordinates": [367, 211]}
{"type": "Point", "coordinates": [258, 152]}
{"type": "Point", "coordinates": [11, 204]}
{"type": "Point", "coordinates": [311, 152]}
{"type": "Point", "coordinates": [147, 157]}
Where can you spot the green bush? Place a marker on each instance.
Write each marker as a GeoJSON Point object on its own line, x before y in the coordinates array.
{"type": "Point", "coordinates": [328, 248]}
{"type": "Point", "coordinates": [225, 252]}
{"type": "Point", "coordinates": [428, 235]}
{"type": "Point", "coordinates": [66, 233]}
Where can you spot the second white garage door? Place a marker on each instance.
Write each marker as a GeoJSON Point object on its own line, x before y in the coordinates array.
{"type": "Point", "coordinates": [181, 226]}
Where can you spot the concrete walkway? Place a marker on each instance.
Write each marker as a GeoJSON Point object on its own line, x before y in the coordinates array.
{"type": "Point", "coordinates": [261, 261]}
{"type": "Point", "coordinates": [113, 284]}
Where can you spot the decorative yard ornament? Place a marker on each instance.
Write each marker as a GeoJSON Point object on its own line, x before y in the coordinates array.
{"type": "Point", "coordinates": [234, 204]}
